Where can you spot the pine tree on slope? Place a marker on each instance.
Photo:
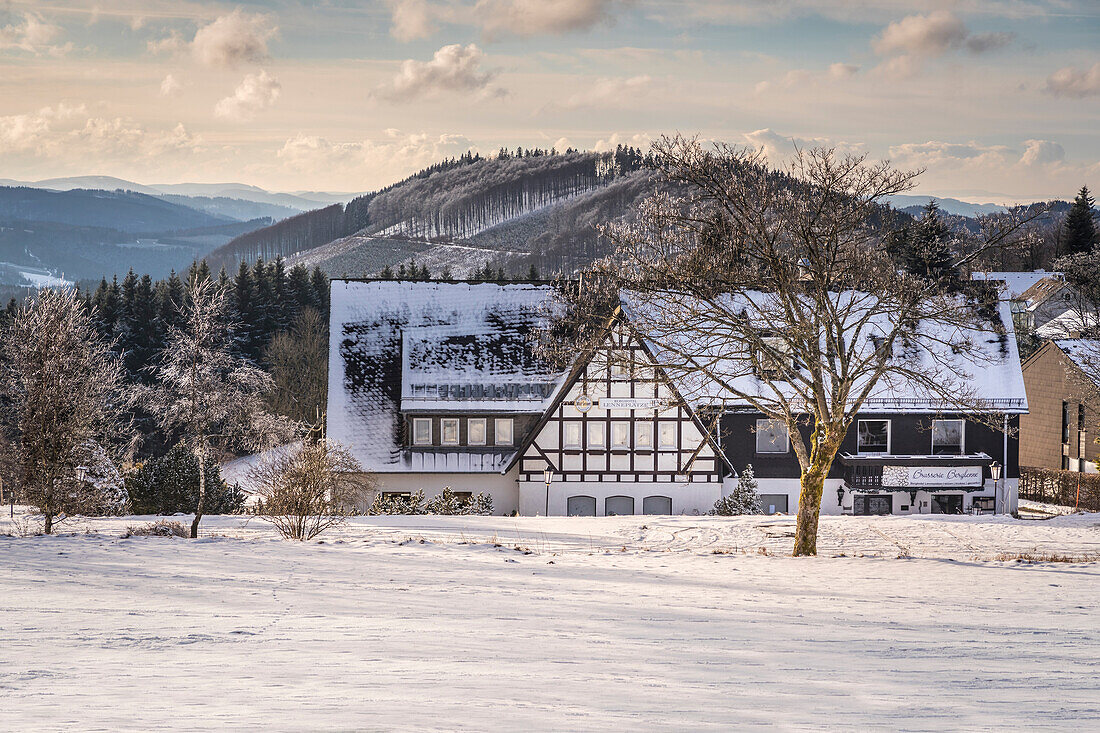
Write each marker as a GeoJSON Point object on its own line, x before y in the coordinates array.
{"type": "Point", "coordinates": [1079, 229]}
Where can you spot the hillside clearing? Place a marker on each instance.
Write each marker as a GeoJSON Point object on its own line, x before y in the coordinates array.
{"type": "Point", "coordinates": [429, 623]}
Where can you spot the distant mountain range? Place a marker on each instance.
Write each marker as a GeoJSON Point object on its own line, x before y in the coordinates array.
{"type": "Point", "coordinates": [912, 204]}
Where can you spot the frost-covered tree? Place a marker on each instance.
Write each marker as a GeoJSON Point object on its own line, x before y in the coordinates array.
{"type": "Point", "coordinates": [743, 499]}
{"type": "Point", "coordinates": [308, 488]}
{"type": "Point", "coordinates": [206, 394]}
{"type": "Point", "coordinates": [65, 399]}
{"type": "Point", "coordinates": [774, 290]}
{"type": "Point", "coordinates": [298, 362]}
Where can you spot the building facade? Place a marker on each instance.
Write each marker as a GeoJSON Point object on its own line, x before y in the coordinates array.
{"type": "Point", "coordinates": [1059, 430]}
{"type": "Point", "coordinates": [436, 384]}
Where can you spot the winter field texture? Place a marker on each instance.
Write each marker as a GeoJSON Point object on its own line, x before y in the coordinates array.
{"type": "Point", "coordinates": [494, 623]}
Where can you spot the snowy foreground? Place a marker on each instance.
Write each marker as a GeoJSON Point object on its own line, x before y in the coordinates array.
{"type": "Point", "coordinates": [493, 623]}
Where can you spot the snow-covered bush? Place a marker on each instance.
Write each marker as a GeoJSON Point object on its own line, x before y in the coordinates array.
{"type": "Point", "coordinates": [446, 502]}
{"type": "Point", "coordinates": [170, 484]}
{"type": "Point", "coordinates": [308, 488]}
{"type": "Point", "coordinates": [396, 504]}
{"type": "Point", "coordinates": [742, 500]}
{"type": "Point", "coordinates": [160, 528]}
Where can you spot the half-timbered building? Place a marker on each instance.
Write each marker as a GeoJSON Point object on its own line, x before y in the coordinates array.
{"type": "Point", "coordinates": [436, 384]}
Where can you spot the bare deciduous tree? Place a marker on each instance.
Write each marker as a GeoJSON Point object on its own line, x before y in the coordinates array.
{"type": "Point", "coordinates": [65, 397]}
{"type": "Point", "coordinates": [308, 488]}
{"type": "Point", "coordinates": [205, 393]}
{"type": "Point", "coordinates": [298, 361]}
{"type": "Point", "coordinates": [774, 290]}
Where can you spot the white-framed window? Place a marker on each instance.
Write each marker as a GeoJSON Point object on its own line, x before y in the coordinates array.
{"type": "Point", "coordinates": [643, 434]}
{"type": "Point", "coordinates": [772, 436]}
{"type": "Point", "coordinates": [619, 365]}
{"type": "Point", "coordinates": [503, 430]}
{"type": "Point", "coordinates": [475, 431]}
{"type": "Point", "coordinates": [620, 435]}
{"type": "Point", "coordinates": [448, 431]}
{"type": "Point", "coordinates": [572, 435]}
{"type": "Point", "coordinates": [773, 357]}
{"type": "Point", "coordinates": [422, 431]}
{"type": "Point", "coordinates": [596, 437]}
{"type": "Point", "coordinates": [667, 435]}
{"type": "Point", "coordinates": [873, 436]}
{"type": "Point", "coordinates": [948, 437]}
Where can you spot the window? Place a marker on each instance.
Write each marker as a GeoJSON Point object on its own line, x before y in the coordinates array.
{"type": "Point", "coordinates": [1065, 423]}
{"type": "Point", "coordinates": [873, 436]}
{"type": "Point", "coordinates": [773, 358]}
{"type": "Point", "coordinates": [620, 366]}
{"type": "Point", "coordinates": [643, 434]}
{"type": "Point", "coordinates": [947, 437]}
{"type": "Point", "coordinates": [620, 435]}
{"type": "Point", "coordinates": [572, 435]}
{"type": "Point", "coordinates": [772, 437]}
{"type": "Point", "coordinates": [475, 431]}
{"type": "Point", "coordinates": [596, 437]}
{"type": "Point", "coordinates": [668, 435]}
{"type": "Point", "coordinates": [448, 431]}
{"type": "Point", "coordinates": [422, 431]}
{"type": "Point", "coordinates": [503, 429]}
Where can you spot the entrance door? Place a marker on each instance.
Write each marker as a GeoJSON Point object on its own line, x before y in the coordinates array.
{"type": "Point", "coordinates": [872, 504]}
{"type": "Point", "coordinates": [947, 504]}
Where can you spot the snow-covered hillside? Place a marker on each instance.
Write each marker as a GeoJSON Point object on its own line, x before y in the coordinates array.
{"type": "Point", "coordinates": [493, 623]}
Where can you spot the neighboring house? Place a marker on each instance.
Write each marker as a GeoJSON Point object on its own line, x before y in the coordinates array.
{"type": "Point", "coordinates": [1015, 283]}
{"type": "Point", "coordinates": [1059, 430]}
{"type": "Point", "coordinates": [1043, 302]}
{"type": "Point", "coordinates": [435, 384]}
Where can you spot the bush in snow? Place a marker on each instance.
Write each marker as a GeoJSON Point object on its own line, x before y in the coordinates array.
{"type": "Point", "coordinates": [170, 484]}
{"type": "Point", "coordinates": [743, 499]}
{"type": "Point", "coordinates": [160, 528]}
{"type": "Point", "coordinates": [308, 488]}
{"type": "Point", "coordinates": [447, 502]}
{"type": "Point", "coordinates": [396, 504]}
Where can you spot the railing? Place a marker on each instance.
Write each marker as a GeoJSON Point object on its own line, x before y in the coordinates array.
{"type": "Point", "coordinates": [864, 477]}
{"type": "Point", "coordinates": [1065, 488]}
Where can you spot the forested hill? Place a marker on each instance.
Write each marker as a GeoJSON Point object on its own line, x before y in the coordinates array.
{"type": "Point", "coordinates": [514, 209]}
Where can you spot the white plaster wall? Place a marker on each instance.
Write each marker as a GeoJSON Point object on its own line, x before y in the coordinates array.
{"type": "Point", "coordinates": [503, 488]}
{"type": "Point", "coordinates": [1007, 501]}
{"type": "Point", "coordinates": [687, 498]}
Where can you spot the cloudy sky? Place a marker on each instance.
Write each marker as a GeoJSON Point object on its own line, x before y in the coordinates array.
{"type": "Point", "coordinates": [997, 99]}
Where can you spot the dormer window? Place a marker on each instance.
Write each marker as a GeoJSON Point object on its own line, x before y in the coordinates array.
{"type": "Point", "coordinates": [882, 347]}
{"type": "Point", "coordinates": [772, 358]}
{"type": "Point", "coordinates": [475, 431]}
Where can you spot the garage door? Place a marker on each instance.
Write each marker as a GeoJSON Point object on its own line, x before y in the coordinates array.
{"type": "Point", "coordinates": [581, 506]}
{"type": "Point", "coordinates": [773, 503]}
{"type": "Point", "coordinates": [618, 505]}
{"type": "Point", "coordinates": [657, 505]}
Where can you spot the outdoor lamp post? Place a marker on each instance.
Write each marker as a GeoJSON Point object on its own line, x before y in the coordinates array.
{"type": "Point", "coordinates": [548, 476]}
{"type": "Point", "coordinates": [995, 474]}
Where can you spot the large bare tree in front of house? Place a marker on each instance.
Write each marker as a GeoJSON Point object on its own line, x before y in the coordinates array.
{"type": "Point", "coordinates": [205, 393]}
{"type": "Point", "coordinates": [776, 290]}
{"type": "Point", "coordinates": [65, 400]}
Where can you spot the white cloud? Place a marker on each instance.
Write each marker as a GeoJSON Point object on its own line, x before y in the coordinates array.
{"type": "Point", "coordinates": [67, 133]}
{"type": "Point", "coordinates": [255, 93]}
{"type": "Point", "coordinates": [357, 166]}
{"type": "Point", "coordinates": [842, 71]}
{"type": "Point", "coordinates": [227, 42]}
{"type": "Point", "coordinates": [1073, 82]}
{"type": "Point", "coordinates": [613, 92]}
{"type": "Point", "coordinates": [641, 140]}
{"type": "Point", "coordinates": [907, 42]}
{"type": "Point", "coordinates": [32, 34]}
{"type": "Point", "coordinates": [453, 68]}
{"type": "Point", "coordinates": [413, 19]}
{"type": "Point", "coordinates": [779, 147]}
{"type": "Point", "coordinates": [170, 86]}
{"type": "Point", "coordinates": [1042, 152]}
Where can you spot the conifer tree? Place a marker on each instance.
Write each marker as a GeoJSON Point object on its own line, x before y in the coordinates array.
{"type": "Point", "coordinates": [1079, 229]}
{"type": "Point", "coordinates": [743, 499]}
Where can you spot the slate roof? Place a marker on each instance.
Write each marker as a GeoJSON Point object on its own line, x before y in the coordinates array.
{"type": "Point", "coordinates": [1015, 283]}
{"type": "Point", "coordinates": [431, 346]}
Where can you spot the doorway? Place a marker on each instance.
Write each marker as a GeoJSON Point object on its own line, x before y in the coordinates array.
{"type": "Point", "coordinates": [867, 504]}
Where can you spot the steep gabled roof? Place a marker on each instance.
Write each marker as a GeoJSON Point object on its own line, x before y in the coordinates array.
{"type": "Point", "coordinates": [1042, 291]}
{"type": "Point", "coordinates": [1083, 354]}
{"type": "Point", "coordinates": [1015, 283]}
{"type": "Point", "coordinates": [434, 346]}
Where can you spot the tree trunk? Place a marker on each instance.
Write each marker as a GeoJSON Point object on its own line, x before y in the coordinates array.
{"type": "Point", "coordinates": [201, 455]}
{"type": "Point", "coordinates": [809, 510]}
{"type": "Point", "coordinates": [48, 522]}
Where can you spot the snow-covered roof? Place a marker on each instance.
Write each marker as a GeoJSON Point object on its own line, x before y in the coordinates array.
{"type": "Point", "coordinates": [1042, 291]}
{"type": "Point", "coordinates": [1016, 283]}
{"type": "Point", "coordinates": [989, 373]}
{"type": "Point", "coordinates": [1084, 353]}
{"type": "Point", "coordinates": [399, 345]}
{"type": "Point", "coordinates": [1067, 323]}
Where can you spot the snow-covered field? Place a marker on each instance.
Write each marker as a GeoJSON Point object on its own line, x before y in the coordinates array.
{"type": "Point", "coordinates": [494, 623]}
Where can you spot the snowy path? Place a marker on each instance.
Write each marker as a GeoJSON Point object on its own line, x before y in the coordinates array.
{"type": "Point", "coordinates": [609, 624]}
